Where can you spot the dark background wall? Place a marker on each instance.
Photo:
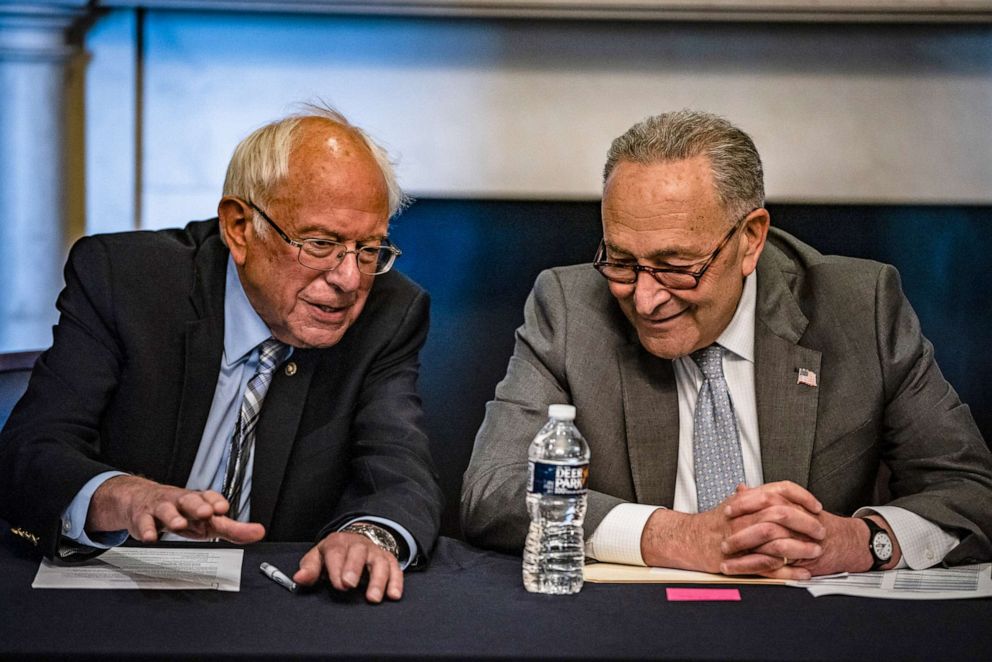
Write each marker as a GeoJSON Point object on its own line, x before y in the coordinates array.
{"type": "Point", "coordinates": [479, 260]}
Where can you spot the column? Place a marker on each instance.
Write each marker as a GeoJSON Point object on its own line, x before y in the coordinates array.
{"type": "Point", "coordinates": [34, 53]}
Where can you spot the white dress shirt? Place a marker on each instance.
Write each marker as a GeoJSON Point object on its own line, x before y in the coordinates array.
{"type": "Point", "coordinates": [617, 539]}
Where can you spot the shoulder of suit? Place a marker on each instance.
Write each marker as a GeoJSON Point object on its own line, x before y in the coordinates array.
{"type": "Point", "coordinates": [573, 277]}
{"type": "Point", "coordinates": [821, 285]}
{"type": "Point", "coordinates": [139, 262]}
{"type": "Point", "coordinates": [166, 243]}
{"type": "Point", "coordinates": [788, 254]}
{"type": "Point", "coordinates": [583, 296]}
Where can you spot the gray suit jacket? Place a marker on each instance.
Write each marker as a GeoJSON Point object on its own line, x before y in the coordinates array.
{"type": "Point", "coordinates": [880, 398]}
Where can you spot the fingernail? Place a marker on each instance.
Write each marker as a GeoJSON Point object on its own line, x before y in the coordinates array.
{"type": "Point", "coordinates": [821, 532]}
{"type": "Point", "coordinates": [728, 511]}
{"type": "Point", "coordinates": [723, 568]}
{"type": "Point", "coordinates": [394, 593]}
{"type": "Point", "coordinates": [350, 578]}
{"type": "Point", "coordinates": [375, 595]}
{"type": "Point", "coordinates": [723, 547]}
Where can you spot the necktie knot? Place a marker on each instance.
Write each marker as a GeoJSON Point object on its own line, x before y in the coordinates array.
{"type": "Point", "coordinates": [710, 361]}
{"type": "Point", "coordinates": [270, 354]}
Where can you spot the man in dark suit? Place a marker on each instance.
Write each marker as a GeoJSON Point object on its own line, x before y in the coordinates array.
{"type": "Point", "coordinates": [738, 390]}
{"type": "Point", "coordinates": [248, 376]}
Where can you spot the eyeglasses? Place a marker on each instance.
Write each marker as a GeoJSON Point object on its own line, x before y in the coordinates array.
{"type": "Point", "coordinates": [327, 255]}
{"type": "Point", "coordinates": [675, 278]}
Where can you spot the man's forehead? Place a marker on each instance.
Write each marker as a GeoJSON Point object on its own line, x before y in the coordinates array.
{"type": "Point", "coordinates": [332, 172]}
{"type": "Point", "coordinates": [667, 177]}
{"type": "Point", "coordinates": [656, 244]}
{"type": "Point", "coordinates": [676, 200]}
{"type": "Point", "coordinates": [333, 227]}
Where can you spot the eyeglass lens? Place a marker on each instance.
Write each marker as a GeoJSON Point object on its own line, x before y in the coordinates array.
{"type": "Point", "coordinates": [328, 255]}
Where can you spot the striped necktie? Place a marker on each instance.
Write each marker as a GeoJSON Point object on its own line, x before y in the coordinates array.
{"type": "Point", "coordinates": [716, 448]}
{"type": "Point", "coordinates": [271, 353]}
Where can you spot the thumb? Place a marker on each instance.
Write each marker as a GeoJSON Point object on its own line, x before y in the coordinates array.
{"type": "Point", "coordinates": [310, 567]}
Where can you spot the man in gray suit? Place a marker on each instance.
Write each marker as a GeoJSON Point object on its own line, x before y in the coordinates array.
{"type": "Point", "coordinates": [739, 391]}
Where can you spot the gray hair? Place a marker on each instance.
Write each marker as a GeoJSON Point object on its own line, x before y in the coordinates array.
{"type": "Point", "coordinates": [261, 161]}
{"type": "Point", "coordinates": [685, 134]}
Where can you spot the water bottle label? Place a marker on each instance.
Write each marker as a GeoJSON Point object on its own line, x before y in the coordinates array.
{"type": "Point", "coordinates": [557, 479]}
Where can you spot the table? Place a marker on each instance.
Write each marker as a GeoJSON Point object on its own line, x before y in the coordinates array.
{"type": "Point", "coordinates": [470, 604]}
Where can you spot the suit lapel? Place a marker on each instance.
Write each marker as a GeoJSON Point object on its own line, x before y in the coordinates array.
{"type": "Point", "coordinates": [277, 429]}
{"type": "Point", "coordinates": [203, 350]}
{"type": "Point", "coordinates": [651, 414]}
{"type": "Point", "coordinates": [786, 406]}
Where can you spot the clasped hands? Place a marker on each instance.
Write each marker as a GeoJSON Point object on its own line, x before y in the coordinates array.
{"type": "Point", "coordinates": [776, 530]}
{"type": "Point", "coordinates": [145, 508]}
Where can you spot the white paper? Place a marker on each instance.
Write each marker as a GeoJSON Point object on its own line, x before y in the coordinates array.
{"type": "Point", "coordinates": [167, 568]}
{"type": "Point", "coordinates": [966, 581]}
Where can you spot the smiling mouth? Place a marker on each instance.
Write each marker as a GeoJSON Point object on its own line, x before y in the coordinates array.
{"type": "Point", "coordinates": [664, 320]}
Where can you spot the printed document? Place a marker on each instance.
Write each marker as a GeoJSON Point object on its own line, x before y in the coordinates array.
{"type": "Point", "coordinates": [965, 581]}
{"type": "Point", "coordinates": [149, 568]}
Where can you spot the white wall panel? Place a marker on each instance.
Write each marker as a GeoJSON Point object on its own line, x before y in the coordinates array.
{"type": "Point", "coordinates": [526, 109]}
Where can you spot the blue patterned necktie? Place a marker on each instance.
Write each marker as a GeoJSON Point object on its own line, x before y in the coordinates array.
{"type": "Point", "coordinates": [271, 353]}
{"type": "Point", "coordinates": [716, 449]}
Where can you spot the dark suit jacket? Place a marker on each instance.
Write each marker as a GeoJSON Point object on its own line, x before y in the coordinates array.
{"type": "Point", "coordinates": [880, 398]}
{"type": "Point", "coordinates": [130, 377]}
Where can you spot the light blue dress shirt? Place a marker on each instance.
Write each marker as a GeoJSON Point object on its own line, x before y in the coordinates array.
{"type": "Point", "coordinates": [244, 331]}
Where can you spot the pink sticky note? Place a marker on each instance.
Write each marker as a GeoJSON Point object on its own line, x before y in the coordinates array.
{"type": "Point", "coordinates": [726, 594]}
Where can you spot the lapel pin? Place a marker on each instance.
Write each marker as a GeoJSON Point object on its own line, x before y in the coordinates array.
{"type": "Point", "coordinates": [290, 369]}
{"type": "Point", "coordinates": [807, 377]}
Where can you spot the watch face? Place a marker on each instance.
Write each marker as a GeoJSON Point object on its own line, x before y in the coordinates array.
{"type": "Point", "coordinates": [882, 546]}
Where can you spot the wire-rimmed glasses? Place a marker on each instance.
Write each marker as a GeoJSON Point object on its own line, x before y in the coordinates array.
{"type": "Point", "coordinates": [327, 254]}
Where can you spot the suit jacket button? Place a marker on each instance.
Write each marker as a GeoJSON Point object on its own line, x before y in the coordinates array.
{"type": "Point", "coordinates": [290, 369]}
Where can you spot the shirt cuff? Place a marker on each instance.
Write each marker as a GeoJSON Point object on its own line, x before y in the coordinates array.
{"type": "Point", "coordinates": [393, 527]}
{"type": "Point", "coordinates": [74, 517]}
{"type": "Point", "coordinates": [923, 543]}
{"type": "Point", "coordinates": [617, 539]}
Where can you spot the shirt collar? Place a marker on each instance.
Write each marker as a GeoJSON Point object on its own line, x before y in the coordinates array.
{"type": "Point", "coordinates": [738, 337]}
{"type": "Point", "coordinates": [243, 328]}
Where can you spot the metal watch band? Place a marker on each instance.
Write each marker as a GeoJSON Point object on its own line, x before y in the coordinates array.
{"type": "Point", "coordinates": [376, 534]}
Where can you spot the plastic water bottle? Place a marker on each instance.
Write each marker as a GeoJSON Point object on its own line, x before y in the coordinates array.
{"type": "Point", "coordinates": [556, 500]}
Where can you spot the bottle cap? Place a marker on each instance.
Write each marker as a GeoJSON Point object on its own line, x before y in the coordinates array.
{"type": "Point", "coordinates": [562, 412]}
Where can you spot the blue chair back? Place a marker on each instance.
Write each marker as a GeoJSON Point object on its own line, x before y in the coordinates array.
{"type": "Point", "coordinates": [15, 370]}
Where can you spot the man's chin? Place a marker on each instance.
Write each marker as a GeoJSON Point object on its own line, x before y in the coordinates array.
{"type": "Point", "coordinates": [663, 348]}
{"type": "Point", "coordinates": [316, 338]}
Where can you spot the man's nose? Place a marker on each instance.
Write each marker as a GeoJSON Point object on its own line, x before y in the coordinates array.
{"type": "Point", "coordinates": [346, 276]}
{"type": "Point", "coordinates": [649, 294]}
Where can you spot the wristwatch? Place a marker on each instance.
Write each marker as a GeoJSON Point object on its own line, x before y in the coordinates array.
{"type": "Point", "coordinates": [376, 534]}
{"type": "Point", "coordinates": [879, 544]}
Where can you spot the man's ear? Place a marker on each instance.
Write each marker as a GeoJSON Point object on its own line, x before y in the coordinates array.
{"type": "Point", "coordinates": [755, 232]}
{"type": "Point", "coordinates": [235, 226]}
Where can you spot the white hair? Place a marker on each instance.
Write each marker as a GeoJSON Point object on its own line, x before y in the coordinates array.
{"type": "Point", "coordinates": [261, 161]}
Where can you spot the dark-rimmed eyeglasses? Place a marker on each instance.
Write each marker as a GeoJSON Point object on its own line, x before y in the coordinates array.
{"type": "Point", "coordinates": [675, 278]}
{"type": "Point", "coordinates": [327, 254]}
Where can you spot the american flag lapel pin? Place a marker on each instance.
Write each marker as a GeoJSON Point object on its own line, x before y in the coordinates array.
{"type": "Point", "coordinates": [807, 377]}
